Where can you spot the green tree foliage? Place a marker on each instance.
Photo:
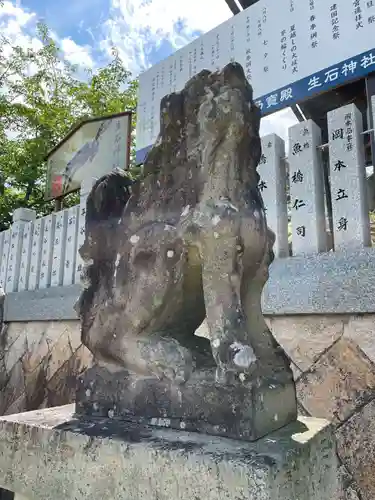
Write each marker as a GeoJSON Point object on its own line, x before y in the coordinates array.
{"type": "Point", "coordinates": [41, 98]}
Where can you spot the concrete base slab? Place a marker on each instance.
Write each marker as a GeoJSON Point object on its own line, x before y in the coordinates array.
{"type": "Point", "coordinates": [48, 454]}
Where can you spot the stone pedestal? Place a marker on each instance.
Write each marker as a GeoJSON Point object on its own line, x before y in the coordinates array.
{"type": "Point", "coordinates": [246, 410]}
{"type": "Point", "coordinates": [50, 454]}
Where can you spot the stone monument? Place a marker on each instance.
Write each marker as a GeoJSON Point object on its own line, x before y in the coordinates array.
{"type": "Point", "coordinates": [189, 241]}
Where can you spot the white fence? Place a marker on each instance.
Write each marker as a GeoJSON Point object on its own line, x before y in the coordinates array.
{"type": "Point", "coordinates": [41, 253]}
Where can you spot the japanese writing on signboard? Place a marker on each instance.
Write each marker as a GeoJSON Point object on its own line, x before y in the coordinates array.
{"type": "Point", "coordinates": [318, 83]}
{"type": "Point", "coordinates": [247, 58]}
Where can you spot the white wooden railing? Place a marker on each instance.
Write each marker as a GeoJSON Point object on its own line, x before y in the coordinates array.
{"type": "Point", "coordinates": [42, 253]}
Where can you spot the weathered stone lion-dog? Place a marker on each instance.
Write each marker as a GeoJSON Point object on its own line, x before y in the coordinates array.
{"type": "Point", "coordinates": [188, 241]}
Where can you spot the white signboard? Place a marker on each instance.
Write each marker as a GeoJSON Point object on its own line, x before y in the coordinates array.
{"type": "Point", "coordinates": [290, 50]}
{"type": "Point", "coordinates": [93, 149]}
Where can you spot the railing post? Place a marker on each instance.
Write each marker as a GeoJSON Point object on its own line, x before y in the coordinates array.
{"type": "Point", "coordinates": [306, 189]}
{"type": "Point", "coordinates": [21, 216]}
{"type": "Point", "coordinates": [273, 187]}
{"type": "Point", "coordinates": [351, 223]}
{"type": "Point", "coordinates": [47, 251]}
{"type": "Point", "coordinates": [5, 243]}
{"type": "Point", "coordinates": [86, 186]}
{"type": "Point", "coordinates": [59, 244]}
{"type": "Point", "coordinates": [36, 254]}
{"type": "Point", "coordinates": [26, 252]}
{"type": "Point", "coordinates": [71, 245]}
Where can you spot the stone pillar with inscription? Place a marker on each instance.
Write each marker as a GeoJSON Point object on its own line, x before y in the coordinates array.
{"type": "Point", "coordinates": [36, 254]}
{"type": "Point", "coordinates": [44, 279]}
{"type": "Point", "coordinates": [71, 245]}
{"type": "Point", "coordinates": [28, 230]}
{"type": "Point", "coordinates": [59, 245]}
{"type": "Point", "coordinates": [350, 210]}
{"type": "Point", "coordinates": [85, 190]}
{"type": "Point", "coordinates": [306, 189]}
{"type": "Point", "coordinates": [5, 244]}
{"type": "Point", "coordinates": [21, 216]}
{"type": "Point", "coordinates": [273, 187]}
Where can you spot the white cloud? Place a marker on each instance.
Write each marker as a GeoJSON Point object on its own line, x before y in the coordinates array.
{"type": "Point", "coordinates": [20, 15]}
{"type": "Point", "coordinates": [278, 123]}
{"type": "Point", "coordinates": [18, 25]}
{"type": "Point", "coordinates": [136, 25]}
{"type": "Point", "coordinates": [76, 54]}
{"type": "Point", "coordinates": [161, 16]}
{"type": "Point", "coordinates": [14, 22]}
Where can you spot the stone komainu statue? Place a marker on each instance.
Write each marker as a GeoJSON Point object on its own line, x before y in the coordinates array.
{"type": "Point", "coordinates": [190, 241]}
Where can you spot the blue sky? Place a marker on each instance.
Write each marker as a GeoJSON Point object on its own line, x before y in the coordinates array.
{"type": "Point", "coordinates": [144, 31]}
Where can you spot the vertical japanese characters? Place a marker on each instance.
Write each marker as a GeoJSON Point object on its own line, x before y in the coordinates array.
{"type": "Point", "coordinates": [59, 247]}
{"type": "Point", "coordinates": [47, 251]}
{"type": "Point", "coordinates": [247, 66]}
{"type": "Point", "coordinates": [265, 41]}
{"type": "Point", "coordinates": [306, 189]}
{"type": "Point", "coordinates": [335, 21]}
{"type": "Point", "coordinates": [347, 177]}
{"type": "Point", "coordinates": [273, 188]}
{"type": "Point", "coordinates": [24, 273]}
{"type": "Point", "coordinates": [71, 245]}
{"type": "Point", "coordinates": [313, 26]}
